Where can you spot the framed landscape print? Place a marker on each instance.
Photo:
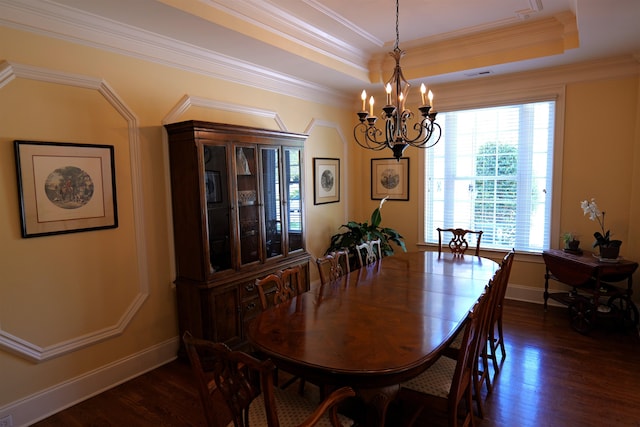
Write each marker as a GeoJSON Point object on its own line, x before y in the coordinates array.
{"type": "Point", "coordinates": [390, 178]}
{"type": "Point", "coordinates": [326, 180]}
{"type": "Point", "coordinates": [65, 188]}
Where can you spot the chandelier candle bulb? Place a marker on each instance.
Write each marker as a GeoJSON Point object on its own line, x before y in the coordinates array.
{"type": "Point", "coordinates": [388, 89]}
{"type": "Point", "coordinates": [431, 100]}
{"type": "Point", "coordinates": [364, 100]}
{"type": "Point", "coordinates": [423, 90]}
{"type": "Point", "coordinates": [371, 106]}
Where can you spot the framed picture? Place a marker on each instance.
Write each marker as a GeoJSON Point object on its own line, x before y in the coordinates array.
{"type": "Point", "coordinates": [390, 178]}
{"type": "Point", "coordinates": [65, 188]}
{"type": "Point", "coordinates": [326, 180]}
{"type": "Point", "coordinates": [213, 186]}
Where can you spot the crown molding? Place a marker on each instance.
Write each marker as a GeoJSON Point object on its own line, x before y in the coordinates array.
{"type": "Point", "coordinates": [475, 92]}
{"type": "Point", "coordinates": [527, 40]}
{"type": "Point", "coordinates": [53, 20]}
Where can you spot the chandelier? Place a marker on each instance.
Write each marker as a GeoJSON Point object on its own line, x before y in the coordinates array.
{"type": "Point", "coordinates": [397, 135]}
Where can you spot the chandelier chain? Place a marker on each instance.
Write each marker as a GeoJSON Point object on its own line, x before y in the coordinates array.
{"type": "Point", "coordinates": [396, 46]}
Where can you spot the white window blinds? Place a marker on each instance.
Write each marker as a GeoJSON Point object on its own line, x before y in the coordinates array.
{"type": "Point", "coordinates": [492, 171]}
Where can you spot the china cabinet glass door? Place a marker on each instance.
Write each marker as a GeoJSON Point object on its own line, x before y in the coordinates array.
{"type": "Point", "coordinates": [217, 202]}
{"type": "Point", "coordinates": [293, 190]}
{"type": "Point", "coordinates": [248, 207]}
{"type": "Point", "coordinates": [271, 186]}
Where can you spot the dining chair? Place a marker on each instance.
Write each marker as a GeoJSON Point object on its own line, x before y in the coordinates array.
{"type": "Point", "coordinates": [481, 373]}
{"type": "Point", "coordinates": [495, 320]}
{"type": "Point", "coordinates": [269, 286]}
{"type": "Point", "coordinates": [291, 278]}
{"type": "Point", "coordinates": [446, 384]}
{"type": "Point", "coordinates": [333, 265]}
{"type": "Point", "coordinates": [372, 251]}
{"type": "Point", "coordinates": [459, 244]}
{"type": "Point", "coordinates": [281, 286]}
{"type": "Point", "coordinates": [246, 387]}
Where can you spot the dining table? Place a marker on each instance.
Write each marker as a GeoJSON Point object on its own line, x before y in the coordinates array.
{"type": "Point", "coordinates": [375, 327]}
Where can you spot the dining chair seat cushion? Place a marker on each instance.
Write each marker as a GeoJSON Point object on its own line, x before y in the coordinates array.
{"type": "Point", "coordinates": [435, 381]}
{"type": "Point", "coordinates": [456, 344]}
{"type": "Point", "coordinates": [292, 409]}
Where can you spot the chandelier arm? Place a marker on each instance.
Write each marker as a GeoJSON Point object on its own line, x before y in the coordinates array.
{"type": "Point", "coordinates": [366, 136]}
{"type": "Point", "coordinates": [428, 141]}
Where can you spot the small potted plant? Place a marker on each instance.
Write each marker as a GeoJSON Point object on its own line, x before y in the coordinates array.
{"type": "Point", "coordinates": [571, 243]}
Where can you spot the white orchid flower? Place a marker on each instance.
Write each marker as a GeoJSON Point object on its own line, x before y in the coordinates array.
{"type": "Point", "coordinates": [590, 208]}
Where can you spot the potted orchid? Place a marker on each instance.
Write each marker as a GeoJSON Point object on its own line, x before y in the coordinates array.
{"type": "Point", "coordinates": [609, 248]}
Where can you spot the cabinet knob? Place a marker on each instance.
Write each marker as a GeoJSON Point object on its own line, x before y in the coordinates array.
{"type": "Point", "coordinates": [250, 287]}
{"type": "Point", "coordinates": [251, 306]}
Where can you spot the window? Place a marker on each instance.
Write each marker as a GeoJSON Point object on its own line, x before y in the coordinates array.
{"type": "Point", "coordinates": [492, 171]}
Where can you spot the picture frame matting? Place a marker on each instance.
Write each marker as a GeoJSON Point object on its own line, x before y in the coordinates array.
{"type": "Point", "coordinates": [326, 180]}
{"type": "Point", "coordinates": [65, 187]}
{"type": "Point", "coordinates": [390, 178]}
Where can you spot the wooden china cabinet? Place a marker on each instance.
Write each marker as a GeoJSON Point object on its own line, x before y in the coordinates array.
{"type": "Point", "coordinates": [237, 196]}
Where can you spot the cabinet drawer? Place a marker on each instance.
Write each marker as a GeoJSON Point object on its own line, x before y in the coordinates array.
{"type": "Point", "coordinates": [248, 290]}
{"type": "Point", "coordinates": [251, 308]}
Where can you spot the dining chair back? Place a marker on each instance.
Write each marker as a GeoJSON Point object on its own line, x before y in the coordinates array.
{"type": "Point", "coordinates": [241, 379]}
{"type": "Point", "coordinates": [268, 286]}
{"type": "Point", "coordinates": [292, 282]}
{"type": "Point", "coordinates": [459, 241]}
{"type": "Point", "coordinates": [482, 375]}
{"type": "Point", "coordinates": [449, 382]}
{"type": "Point", "coordinates": [333, 265]}
{"type": "Point", "coordinates": [369, 252]}
{"type": "Point", "coordinates": [496, 335]}
{"type": "Point", "coordinates": [279, 287]}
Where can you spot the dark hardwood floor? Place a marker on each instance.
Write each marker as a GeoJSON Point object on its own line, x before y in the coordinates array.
{"type": "Point", "coordinates": [552, 376]}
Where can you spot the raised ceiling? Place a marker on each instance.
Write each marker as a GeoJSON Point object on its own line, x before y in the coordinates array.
{"type": "Point", "coordinates": [338, 46]}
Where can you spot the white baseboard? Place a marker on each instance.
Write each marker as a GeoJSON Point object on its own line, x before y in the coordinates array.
{"type": "Point", "coordinates": [36, 407]}
{"type": "Point", "coordinates": [530, 294]}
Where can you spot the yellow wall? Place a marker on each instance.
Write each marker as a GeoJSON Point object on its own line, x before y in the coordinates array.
{"type": "Point", "coordinates": [60, 288]}
{"type": "Point", "coordinates": [63, 288]}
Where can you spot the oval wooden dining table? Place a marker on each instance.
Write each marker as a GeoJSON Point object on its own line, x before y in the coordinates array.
{"type": "Point", "coordinates": [376, 327]}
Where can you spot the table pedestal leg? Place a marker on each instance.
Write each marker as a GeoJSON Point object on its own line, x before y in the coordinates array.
{"type": "Point", "coordinates": [376, 402]}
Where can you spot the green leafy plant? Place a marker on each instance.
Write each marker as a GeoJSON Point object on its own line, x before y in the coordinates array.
{"type": "Point", "coordinates": [359, 232]}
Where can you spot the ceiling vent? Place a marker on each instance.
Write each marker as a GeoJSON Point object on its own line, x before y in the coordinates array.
{"type": "Point", "coordinates": [478, 73]}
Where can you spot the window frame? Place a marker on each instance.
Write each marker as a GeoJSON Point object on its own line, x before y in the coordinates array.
{"type": "Point", "coordinates": [462, 98]}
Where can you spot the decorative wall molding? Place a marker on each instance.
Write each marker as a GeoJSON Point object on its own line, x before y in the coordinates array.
{"type": "Point", "coordinates": [189, 101]}
{"type": "Point", "coordinates": [345, 156]}
{"type": "Point", "coordinates": [9, 72]}
{"type": "Point", "coordinates": [47, 402]}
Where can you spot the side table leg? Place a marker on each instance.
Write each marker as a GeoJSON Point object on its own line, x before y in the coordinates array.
{"type": "Point", "coordinates": [546, 289]}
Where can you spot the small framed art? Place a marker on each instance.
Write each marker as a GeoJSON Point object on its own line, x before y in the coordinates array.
{"type": "Point", "coordinates": [65, 188]}
{"type": "Point", "coordinates": [326, 180]}
{"type": "Point", "coordinates": [390, 178]}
